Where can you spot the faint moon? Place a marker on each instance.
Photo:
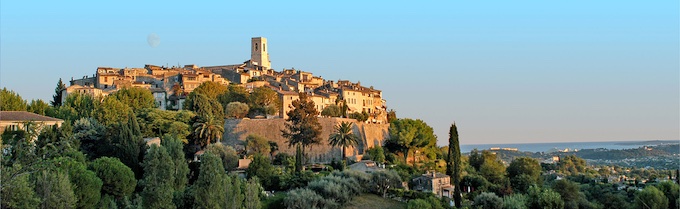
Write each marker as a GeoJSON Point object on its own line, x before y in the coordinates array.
{"type": "Point", "coordinates": [153, 40]}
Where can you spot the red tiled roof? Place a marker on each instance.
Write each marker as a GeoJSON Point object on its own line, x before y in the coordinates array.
{"type": "Point", "coordinates": [24, 116]}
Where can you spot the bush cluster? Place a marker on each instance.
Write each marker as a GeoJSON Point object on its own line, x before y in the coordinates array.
{"type": "Point", "coordinates": [331, 191]}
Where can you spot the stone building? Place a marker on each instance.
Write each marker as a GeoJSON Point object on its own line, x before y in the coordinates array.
{"type": "Point", "coordinates": [435, 182]}
{"type": "Point", "coordinates": [17, 120]}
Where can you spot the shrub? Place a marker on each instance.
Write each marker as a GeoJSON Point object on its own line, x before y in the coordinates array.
{"type": "Point", "coordinates": [303, 198]}
{"type": "Point", "coordinates": [362, 178]}
{"type": "Point", "coordinates": [330, 190]}
{"type": "Point", "coordinates": [236, 110]}
{"type": "Point", "coordinates": [359, 116]}
{"type": "Point", "coordinates": [331, 111]}
{"type": "Point", "coordinates": [488, 200]}
{"type": "Point", "coordinates": [381, 181]}
{"type": "Point", "coordinates": [418, 204]}
{"type": "Point", "coordinates": [515, 201]}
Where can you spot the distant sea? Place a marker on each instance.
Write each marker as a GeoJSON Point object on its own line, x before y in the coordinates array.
{"type": "Point", "coordinates": [545, 147]}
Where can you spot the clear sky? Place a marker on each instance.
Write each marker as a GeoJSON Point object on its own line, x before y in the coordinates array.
{"type": "Point", "coordinates": [504, 71]}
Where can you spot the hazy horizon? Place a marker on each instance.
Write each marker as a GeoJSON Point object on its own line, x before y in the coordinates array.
{"type": "Point", "coordinates": [504, 72]}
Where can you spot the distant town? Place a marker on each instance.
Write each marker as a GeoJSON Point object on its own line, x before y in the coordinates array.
{"type": "Point", "coordinates": [170, 85]}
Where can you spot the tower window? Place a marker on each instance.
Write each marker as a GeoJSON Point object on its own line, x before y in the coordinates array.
{"type": "Point", "coordinates": [263, 47]}
{"type": "Point", "coordinates": [255, 46]}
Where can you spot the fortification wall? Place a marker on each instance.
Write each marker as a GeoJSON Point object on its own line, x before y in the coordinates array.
{"type": "Point", "coordinates": [236, 131]}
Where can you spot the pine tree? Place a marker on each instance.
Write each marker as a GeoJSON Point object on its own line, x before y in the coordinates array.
{"type": "Point", "coordinates": [56, 98]}
{"type": "Point", "coordinates": [158, 179]}
{"type": "Point", "coordinates": [453, 168]}
{"type": "Point", "coordinates": [303, 128]}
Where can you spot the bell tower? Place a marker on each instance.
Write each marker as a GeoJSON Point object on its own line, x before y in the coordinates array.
{"type": "Point", "coordinates": [258, 53]}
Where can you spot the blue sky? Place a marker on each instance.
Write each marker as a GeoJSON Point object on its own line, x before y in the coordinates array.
{"type": "Point", "coordinates": [504, 71]}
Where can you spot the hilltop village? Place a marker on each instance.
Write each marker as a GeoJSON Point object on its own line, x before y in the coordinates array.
{"type": "Point", "coordinates": [171, 85]}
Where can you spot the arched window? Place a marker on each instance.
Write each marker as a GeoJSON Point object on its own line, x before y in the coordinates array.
{"type": "Point", "coordinates": [263, 47]}
{"type": "Point", "coordinates": [255, 46]}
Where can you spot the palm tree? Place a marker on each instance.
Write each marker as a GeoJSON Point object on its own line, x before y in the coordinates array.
{"type": "Point", "coordinates": [207, 129]}
{"type": "Point", "coordinates": [344, 137]}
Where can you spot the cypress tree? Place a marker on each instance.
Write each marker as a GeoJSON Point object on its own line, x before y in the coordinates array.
{"type": "Point", "coordinates": [56, 98]}
{"type": "Point", "coordinates": [211, 186]}
{"type": "Point", "coordinates": [181, 169]}
{"type": "Point", "coordinates": [453, 163]}
{"type": "Point", "coordinates": [158, 179]}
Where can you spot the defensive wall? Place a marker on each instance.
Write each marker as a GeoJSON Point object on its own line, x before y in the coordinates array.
{"type": "Point", "coordinates": [370, 135]}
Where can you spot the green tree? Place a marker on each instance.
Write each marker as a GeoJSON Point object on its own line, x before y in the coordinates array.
{"type": "Point", "coordinates": [38, 107]}
{"type": "Point", "coordinates": [407, 135]}
{"type": "Point", "coordinates": [129, 145]}
{"type": "Point", "coordinates": [56, 98]}
{"type": "Point", "coordinates": [331, 111]}
{"type": "Point", "coordinates": [211, 89]}
{"type": "Point", "coordinates": [236, 110]}
{"type": "Point", "coordinates": [515, 201]}
{"type": "Point", "coordinates": [343, 136]}
{"type": "Point", "coordinates": [569, 191]}
{"type": "Point", "coordinates": [111, 111]}
{"type": "Point", "coordinates": [76, 106]}
{"type": "Point", "coordinates": [652, 198]}
{"type": "Point", "coordinates": [54, 188]}
{"type": "Point", "coordinates": [257, 144]}
{"type": "Point", "coordinates": [158, 178]}
{"type": "Point", "coordinates": [210, 187]}
{"type": "Point", "coordinates": [136, 98]}
{"type": "Point", "coordinates": [86, 185]}
{"type": "Point", "coordinates": [92, 139]}
{"type": "Point", "coordinates": [488, 200]}
{"type": "Point", "coordinates": [544, 199]}
{"type": "Point", "coordinates": [118, 179]}
{"type": "Point", "coordinates": [227, 154]}
{"type": "Point", "coordinates": [524, 172]}
{"type": "Point", "coordinates": [208, 129]}
{"type": "Point", "coordinates": [16, 189]}
{"type": "Point", "coordinates": [261, 167]}
{"type": "Point", "coordinates": [672, 192]}
{"type": "Point", "coordinates": [383, 180]}
{"type": "Point", "coordinates": [11, 101]}
{"type": "Point", "coordinates": [453, 163]}
{"type": "Point", "coordinates": [252, 194]}
{"type": "Point", "coordinates": [377, 154]}
{"type": "Point", "coordinates": [571, 164]}
{"type": "Point", "coordinates": [204, 106]}
{"type": "Point", "coordinates": [235, 192]}
{"type": "Point", "coordinates": [180, 171]}
{"type": "Point", "coordinates": [263, 101]}
{"type": "Point", "coordinates": [154, 122]}
{"type": "Point", "coordinates": [235, 94]}
{"type": "Point", "coordinates": [302, 128]}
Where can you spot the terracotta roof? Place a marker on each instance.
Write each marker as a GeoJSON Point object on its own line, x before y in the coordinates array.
{"type": "Point", "coordinates": [24, 116]}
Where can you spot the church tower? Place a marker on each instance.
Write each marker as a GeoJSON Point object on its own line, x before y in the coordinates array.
{"type": "Point", "coordinates": [258, 53]}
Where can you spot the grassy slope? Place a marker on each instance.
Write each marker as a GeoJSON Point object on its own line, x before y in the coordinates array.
{"type": "Point", "coordinates": [373, 201]}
